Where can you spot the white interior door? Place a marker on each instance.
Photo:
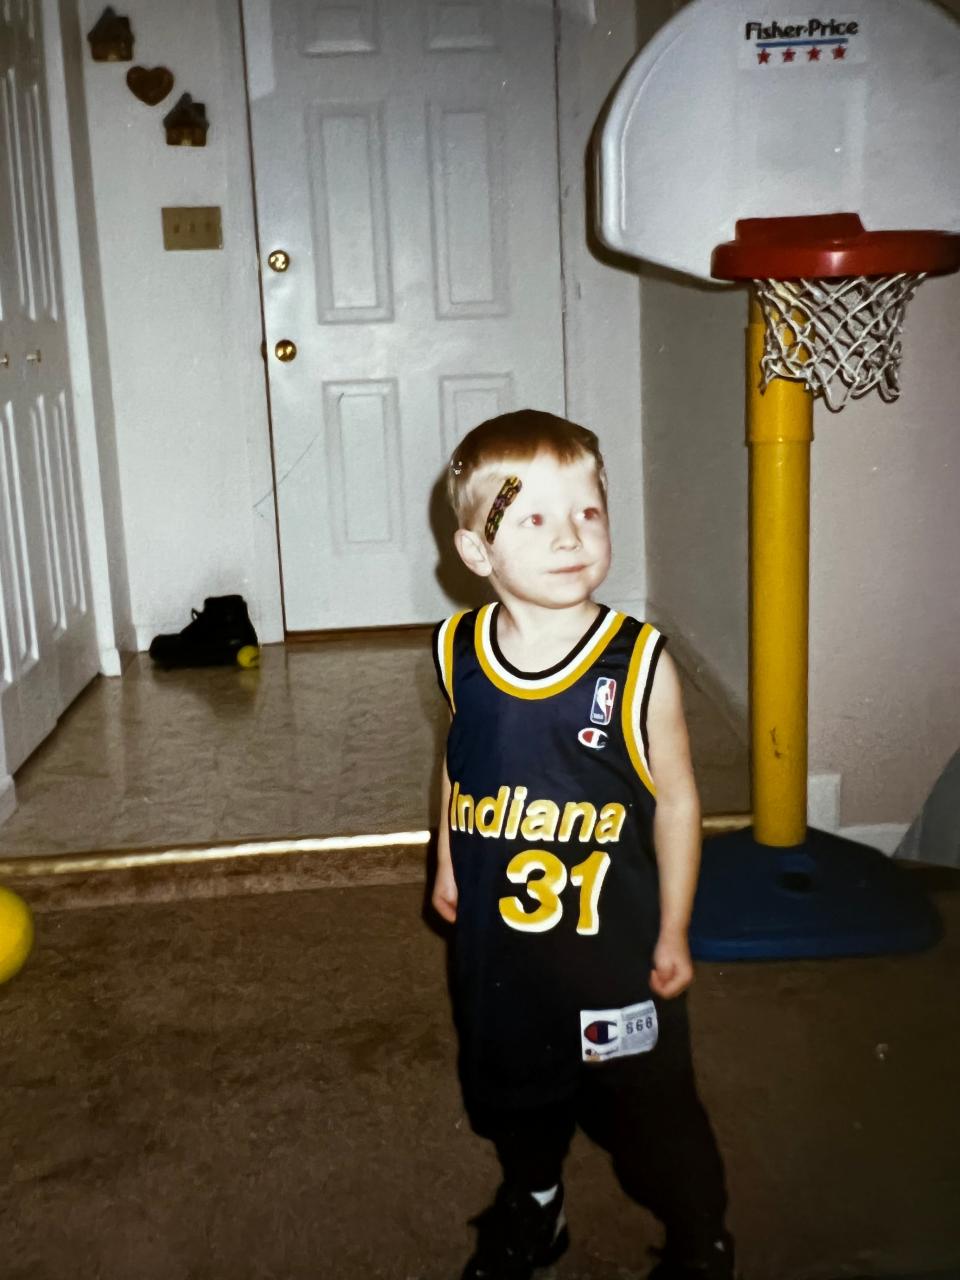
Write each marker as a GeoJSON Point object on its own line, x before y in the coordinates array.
{"type": "Point", "coordinates": [48, 646]}
{"type": "Point", "coordinates": [405, 154]}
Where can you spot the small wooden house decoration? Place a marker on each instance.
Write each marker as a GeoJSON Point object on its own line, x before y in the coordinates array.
{"type": "Point", "coordinates": [111, 39]}
{"type": "Point", "coordinates": [187, 124]}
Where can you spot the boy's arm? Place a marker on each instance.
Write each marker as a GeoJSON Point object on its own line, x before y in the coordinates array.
{"type": "Point", "coordinates": [676, 829]}
{"type": "Point", "coordinates": [444, 897]}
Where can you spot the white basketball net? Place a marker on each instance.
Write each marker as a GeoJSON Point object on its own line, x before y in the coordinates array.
{"type": "Point", "coordinates": [841, 338]}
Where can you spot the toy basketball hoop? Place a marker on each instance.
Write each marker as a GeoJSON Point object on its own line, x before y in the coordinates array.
{"type": "Point", "coordinates": [760, 123]}
{"type": "Point", "coordinates": [833, 297]}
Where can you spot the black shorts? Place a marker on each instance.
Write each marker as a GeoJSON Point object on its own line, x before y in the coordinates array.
{"type": "Point", "coordinates": [646, 1112]}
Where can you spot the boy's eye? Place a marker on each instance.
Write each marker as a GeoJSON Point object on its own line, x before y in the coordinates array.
{"type": "Point", "coordinates": [591, 513]}
{"type": "Point", "coordinates": [534, 519]}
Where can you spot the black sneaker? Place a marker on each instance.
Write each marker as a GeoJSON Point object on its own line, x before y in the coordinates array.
{"type": "Point", "coordinates": [718, 1264]}
{"type": "Point", "coordinates": [516, 1235]}
{"type": "Point", "coordinates": [220, 635]}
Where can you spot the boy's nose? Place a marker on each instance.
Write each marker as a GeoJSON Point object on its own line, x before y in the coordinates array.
{"type": "Point", "coordinates": [567, 536]}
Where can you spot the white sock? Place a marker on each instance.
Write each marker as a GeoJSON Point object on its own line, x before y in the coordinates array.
{"type": "Point", "coordinates": [543, 1198]}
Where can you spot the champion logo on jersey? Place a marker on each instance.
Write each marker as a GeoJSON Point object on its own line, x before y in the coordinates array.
{"type": "Point", "coordinates": [602, 1032]}
{"type": "Point", "coordinates": [604, 696]}
{"type": "Point", "coordinates": [594, 738]}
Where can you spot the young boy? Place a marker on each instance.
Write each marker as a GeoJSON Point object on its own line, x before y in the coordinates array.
{"type": "Point", "coordinates": [568, 857]}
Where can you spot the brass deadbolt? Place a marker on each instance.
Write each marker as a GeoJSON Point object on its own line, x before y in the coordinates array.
{"type": "Point", "coordinates": [279, 260]}
{"type": "Point", "coordinates": [285, 350]}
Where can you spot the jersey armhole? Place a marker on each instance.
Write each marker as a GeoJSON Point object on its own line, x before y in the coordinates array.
{"type": "Point", "coordinates": [636, 699]}
{"type": "Point", "coordinates": [443, 637]}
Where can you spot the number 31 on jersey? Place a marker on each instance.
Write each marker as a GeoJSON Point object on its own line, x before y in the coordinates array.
{"type": "Point", "coordinates": [544, 877]}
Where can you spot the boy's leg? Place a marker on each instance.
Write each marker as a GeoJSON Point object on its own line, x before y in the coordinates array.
{"type": "Point", "coordinates": [645, 1110]}
{"type": "Point", "coordinates": [525, 1227]}
{"type": "Point", "coordinates": [531, 1143]}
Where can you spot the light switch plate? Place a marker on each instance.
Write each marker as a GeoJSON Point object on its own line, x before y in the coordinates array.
{"type": "Point", "coordinates": [192, 227]}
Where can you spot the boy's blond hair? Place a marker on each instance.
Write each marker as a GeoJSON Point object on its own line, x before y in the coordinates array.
{"type": "Point", "coordinates": [486, 452]}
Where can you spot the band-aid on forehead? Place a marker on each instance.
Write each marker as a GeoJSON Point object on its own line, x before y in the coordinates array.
{"type": "Point", "coordinates": [508, 491]}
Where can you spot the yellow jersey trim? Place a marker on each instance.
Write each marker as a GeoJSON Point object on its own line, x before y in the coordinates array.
{"type": "Point", "coordinates": [540, 687]}
{"type": "Point", "coordinates": [445, 654]}
{"type": "Point", "coordinates": [638, 675]}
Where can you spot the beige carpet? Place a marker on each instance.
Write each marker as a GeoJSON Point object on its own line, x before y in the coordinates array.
{"type": "Point", "coordinates": [263, 1088]}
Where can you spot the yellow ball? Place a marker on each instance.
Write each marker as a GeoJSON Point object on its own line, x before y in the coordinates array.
{"type": "Point", "coordinates": [248, 656]}
{"type": "Point", "coordinates": [16, 933]}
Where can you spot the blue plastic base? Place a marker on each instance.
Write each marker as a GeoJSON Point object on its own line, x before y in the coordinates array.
{"type": "Point", "coordinates": [825, 897]}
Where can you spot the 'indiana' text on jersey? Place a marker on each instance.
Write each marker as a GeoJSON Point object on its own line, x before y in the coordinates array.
{"type": "Point", "coordinates": [550, 826]}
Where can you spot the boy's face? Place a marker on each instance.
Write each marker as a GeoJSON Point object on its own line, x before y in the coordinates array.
{"type": "Point", "coordinates": [553, 544]}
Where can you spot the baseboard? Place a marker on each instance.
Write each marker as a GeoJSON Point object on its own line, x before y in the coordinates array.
{"type": "Point", "coordinates": [823, 812]}
{"type": "Point", "coordinates": [114, 661]}
{"type": "Point", "coordinates": [823, 801]}
{"type": "Point", "coordinates": [8, 797]}
{"type": "Point", "coordinates": [885, 836]}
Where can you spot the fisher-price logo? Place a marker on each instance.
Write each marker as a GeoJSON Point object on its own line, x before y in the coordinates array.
{"type": "Point", "coordinates": [794, 42]}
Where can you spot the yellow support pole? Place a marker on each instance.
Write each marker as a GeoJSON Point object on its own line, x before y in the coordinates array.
{"type": "Point", "coordinates": [779, 435]}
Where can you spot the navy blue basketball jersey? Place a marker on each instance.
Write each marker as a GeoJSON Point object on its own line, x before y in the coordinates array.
{"type": "Point", "coordinates": [550, 825]}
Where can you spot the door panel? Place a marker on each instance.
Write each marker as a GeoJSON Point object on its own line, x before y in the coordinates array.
{"type": "Point", "coordinates": [48, 649]}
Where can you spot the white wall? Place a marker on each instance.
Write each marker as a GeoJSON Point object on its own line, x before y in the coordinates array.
{"type": "Point", "coordinates": [695, 469]}
{"type": "Point", "coordinates": [87, 336]}
{"type": "Point", "coordinates": [601, 292]}
{"type": "Point", "coordinates": [183, 329]}
{"type": "Point", "coordinates": [885, 577]}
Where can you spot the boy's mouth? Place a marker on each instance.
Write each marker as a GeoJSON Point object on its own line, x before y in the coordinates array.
{"type": "Point", "coordinates": [574, 568]}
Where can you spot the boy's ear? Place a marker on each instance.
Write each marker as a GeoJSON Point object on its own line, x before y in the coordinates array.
{"type": "Point", "coordinates": [472, 552]}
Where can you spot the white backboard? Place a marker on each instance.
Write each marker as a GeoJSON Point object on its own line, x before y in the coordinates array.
{"type": "Point", "coordinates": [739, 110]}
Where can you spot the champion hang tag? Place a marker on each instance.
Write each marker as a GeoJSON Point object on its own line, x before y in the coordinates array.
{"type": "Point", "coordinates": [617, 1033]}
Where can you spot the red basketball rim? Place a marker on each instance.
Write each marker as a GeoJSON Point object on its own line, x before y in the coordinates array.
{"type": "Point", "coordinates": [830, 246]}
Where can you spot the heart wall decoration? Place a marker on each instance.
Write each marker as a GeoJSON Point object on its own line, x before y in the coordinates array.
{"type": "Point", "coordinates": [150, 85]}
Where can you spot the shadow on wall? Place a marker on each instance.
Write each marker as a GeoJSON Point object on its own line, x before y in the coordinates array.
{"type": "Point", "coordinates": [695, 471]}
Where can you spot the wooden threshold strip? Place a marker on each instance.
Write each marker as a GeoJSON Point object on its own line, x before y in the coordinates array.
{"type": "Point", "coordinates": [182, 855]}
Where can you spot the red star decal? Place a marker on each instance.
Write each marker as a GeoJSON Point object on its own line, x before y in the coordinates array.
{"type": "Point", "coordinates": [813, 54]}
{"type": "Point", "coordinates": [789, 55]}
{"type": "Point", "coordinates": [763, 56]}
{"type": "Point", "coordinates": [840, 52]}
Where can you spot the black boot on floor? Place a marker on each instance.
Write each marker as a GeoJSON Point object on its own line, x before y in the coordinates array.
{"type": "Point", "coordinates": [717, 1264]}
{"type": "Point", "coordinates": [220, 635]}
{"type": "Point", "coordinates": [516, 1235]}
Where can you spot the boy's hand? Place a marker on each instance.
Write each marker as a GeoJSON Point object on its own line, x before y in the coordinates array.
{"type": "Point", "coordinates": [444, 897]}
{"type": "Point", "coordinates": [672, 970]}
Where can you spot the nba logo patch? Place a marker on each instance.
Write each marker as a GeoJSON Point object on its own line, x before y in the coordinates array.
{"type": "Point", "coordinates": [604, 696]}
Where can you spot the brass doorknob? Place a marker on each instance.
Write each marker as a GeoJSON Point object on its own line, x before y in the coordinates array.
{"type": "Point", "coordinates": [285, 350]}
{"type": "Point", "coordinates": [279, 260]}
{"type": "Point", "coordinates": [4, 361]}
{"type": "Point", "coordinates": [33, 357]}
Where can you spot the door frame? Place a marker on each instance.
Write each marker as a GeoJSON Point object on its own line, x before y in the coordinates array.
{"type": "Point", "coordinates": [63, 104]}
{"type": "Point", "coordinates": [601, 321]}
